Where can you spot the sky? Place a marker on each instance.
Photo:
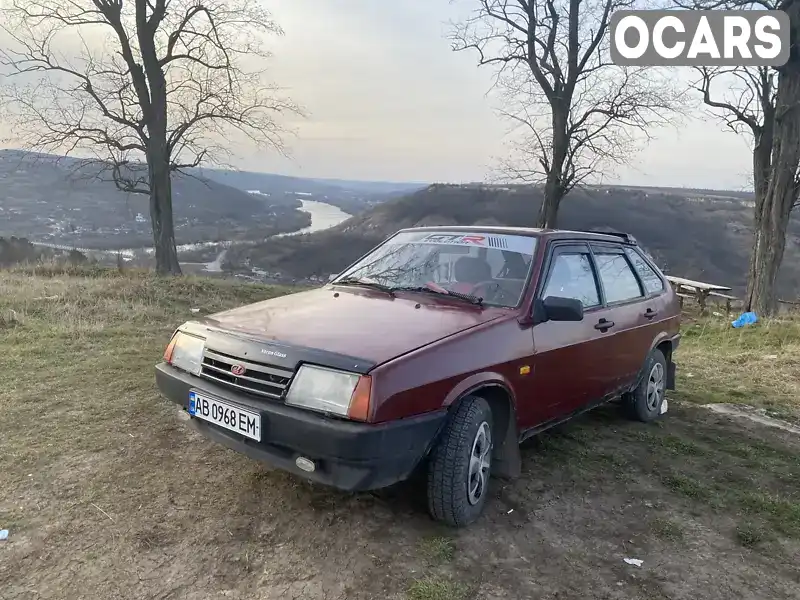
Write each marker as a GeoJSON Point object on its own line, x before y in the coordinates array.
{"type": "Point", "coordinates": [387, 99]}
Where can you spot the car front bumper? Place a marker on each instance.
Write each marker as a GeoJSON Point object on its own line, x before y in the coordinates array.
{"type": "Point", "coordinates": [347, 455]}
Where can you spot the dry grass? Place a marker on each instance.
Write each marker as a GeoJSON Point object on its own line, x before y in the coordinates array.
{"type": "Point", "coordinates": [755, 365]}
{"type": "Point", "coordinates": [438, 549]}
{"type": "Point", "coordinates": [76, 350]}
{"type": "Point", "coordinates": [108, 495]}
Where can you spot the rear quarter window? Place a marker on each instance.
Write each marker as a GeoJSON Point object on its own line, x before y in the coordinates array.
{"type": "Point", "coordinates": [619, 282]}
{"type": "Point", "coordinates": [652, 282]}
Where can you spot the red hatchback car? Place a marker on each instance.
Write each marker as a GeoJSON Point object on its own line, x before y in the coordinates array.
{"type": "Point", "coordinates": [441, 349]}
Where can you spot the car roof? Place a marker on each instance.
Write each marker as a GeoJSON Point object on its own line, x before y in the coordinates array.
{"type": "Point", "coordinates": [566, 234]}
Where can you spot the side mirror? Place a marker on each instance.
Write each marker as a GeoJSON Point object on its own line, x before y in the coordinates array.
{"type": "Point", "coordinates": [555, 308]}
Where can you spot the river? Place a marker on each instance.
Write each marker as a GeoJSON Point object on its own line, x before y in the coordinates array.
{"type": "Point", "coordinates": [323, 216]}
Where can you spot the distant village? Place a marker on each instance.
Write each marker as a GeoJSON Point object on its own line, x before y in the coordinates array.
{"type": "Point", "coordinates": [258, 275]}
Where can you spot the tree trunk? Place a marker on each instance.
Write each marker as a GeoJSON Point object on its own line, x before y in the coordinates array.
{"type": "Point", "coordinates": [548, 213]}
{"type": "Point", "coordinates": [554, 182]}
{"type": "Point", "coordinates": [764, 265]}
{"type": "Point", "coordinates": [762, 157]}
{"type": "Point", "coordinates": [158, 150]}
{"type": "Point", "coordinates": [161, 219]}
{"type": "Point", "coordinates": [772, 213]}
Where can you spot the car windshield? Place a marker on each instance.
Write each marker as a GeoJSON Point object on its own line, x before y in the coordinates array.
{"type": "Point", "coordinates": [490, 266]}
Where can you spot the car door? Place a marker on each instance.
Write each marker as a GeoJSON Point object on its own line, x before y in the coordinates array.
{"type": "Point", "coordinates": [658, 315]}
{"type": "Point", "coordinates": [570, 357]}
{"type": "Point", "coordinates": [627, 306]}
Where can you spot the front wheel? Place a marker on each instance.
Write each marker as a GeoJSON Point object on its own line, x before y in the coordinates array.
{"type": "Point", "coordinates": [461, 463]}
{"type": "Point", "coordinates": [645, 403]}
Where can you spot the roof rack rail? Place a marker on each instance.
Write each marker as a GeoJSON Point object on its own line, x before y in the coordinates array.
{"type": "Point", "coordinates": [625, 236]}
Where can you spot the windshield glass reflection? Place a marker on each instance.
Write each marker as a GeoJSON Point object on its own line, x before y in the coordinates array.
{"type": "Point", "coordinates": [487, 266]}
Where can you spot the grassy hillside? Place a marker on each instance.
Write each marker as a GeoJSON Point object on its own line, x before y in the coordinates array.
{"type": "Point", "coordinates": [691, 233]}
{"type": "Point", "coordinates": [106, 489]}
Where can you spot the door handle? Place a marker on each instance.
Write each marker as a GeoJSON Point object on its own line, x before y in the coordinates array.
{"type": "Point", "coordinates": [604, 325]}
{"type": "Point", "coordinates": [650, 313]}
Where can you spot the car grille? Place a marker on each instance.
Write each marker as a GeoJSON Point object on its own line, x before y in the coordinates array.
{"type": "Point", "coordinates": [258, 378]}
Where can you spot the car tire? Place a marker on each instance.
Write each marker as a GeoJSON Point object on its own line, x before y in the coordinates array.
{"type": "Point", "coordinates": [644, 402]}
{"type": "Point", "coordinates": [460, 464]}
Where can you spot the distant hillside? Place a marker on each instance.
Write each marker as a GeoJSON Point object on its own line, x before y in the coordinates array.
{"type": "Point", "coordinates": [57, 199]}
{"type": "Point", "coordinates": [353, 197]}
{"type": "Point", "coordinates": [692, 233]}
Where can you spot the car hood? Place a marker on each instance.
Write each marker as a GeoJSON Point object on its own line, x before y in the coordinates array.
{"type": "Point", "coordinates": [355, 322]}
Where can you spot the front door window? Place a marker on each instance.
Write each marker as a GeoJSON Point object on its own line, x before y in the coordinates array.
{"type": "Point", "coordinates": [572, 277]}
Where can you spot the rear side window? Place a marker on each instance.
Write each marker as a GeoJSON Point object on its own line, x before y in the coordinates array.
{"type": "Point", "coordinates": [652, 282]}
{"type": "Point", "coordinates": [619, 280]}
{"type": "Point", "coordinates": [572, 277]}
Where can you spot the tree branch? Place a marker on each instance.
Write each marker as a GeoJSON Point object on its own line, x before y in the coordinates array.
{"type": "Point", "coordinates": [573, 113]}
{"type": "Point", "coordinates": [740, 111]}
{"type": "Point", "coordinates": [194, 93]}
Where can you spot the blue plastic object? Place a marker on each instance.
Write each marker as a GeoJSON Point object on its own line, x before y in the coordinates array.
{"type": "Point", "coordinates": [747, 318]}
{"type": "Point", "coordinates": [4, 534]}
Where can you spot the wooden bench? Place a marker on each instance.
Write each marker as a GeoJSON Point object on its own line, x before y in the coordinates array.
{"type": "Point", "coordinates": [728, 300]}
{"type": "Point", "coordinates": [697, 289]}
{"type": "Point", "coordinates": [682, 297]}
{"type": "Point", "coordinates": [701, 291]}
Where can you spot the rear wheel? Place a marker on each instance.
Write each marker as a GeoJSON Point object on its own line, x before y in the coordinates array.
{"type": "Point", "coordinates": [645, 402]}
{"type": "Point", "coordinates": [460, 464]}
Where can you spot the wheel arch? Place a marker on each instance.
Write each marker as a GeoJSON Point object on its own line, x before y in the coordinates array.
{"type": "Point", "coordinates": [666, 344]}
{"type": "Point", "coordinates": [494, 389]}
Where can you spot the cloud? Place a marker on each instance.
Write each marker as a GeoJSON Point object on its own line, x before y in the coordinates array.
{"type": "Point", "coordinates": [388, 99]}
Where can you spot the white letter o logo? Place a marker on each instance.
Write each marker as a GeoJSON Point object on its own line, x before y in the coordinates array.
{"type": "Point", "coordinates": [638, 24]}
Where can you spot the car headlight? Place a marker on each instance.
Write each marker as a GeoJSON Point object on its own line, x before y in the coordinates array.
{"type": "Point", "coordinates": [331, 391]}
{"type": "Point", "coordinates": [185, 351]}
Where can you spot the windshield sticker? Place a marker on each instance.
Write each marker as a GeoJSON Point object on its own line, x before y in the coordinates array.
{"type": "Point", "coordinates": [515, 243]}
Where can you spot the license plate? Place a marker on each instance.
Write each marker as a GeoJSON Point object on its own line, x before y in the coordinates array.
{"type": "Point", "coordinates": [225, 415]}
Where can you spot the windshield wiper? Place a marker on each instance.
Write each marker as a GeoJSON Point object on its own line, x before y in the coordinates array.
{"type": "Point", "coordinates": [366, 283]}
{"type": "Point", "coordinates": [442, 292]}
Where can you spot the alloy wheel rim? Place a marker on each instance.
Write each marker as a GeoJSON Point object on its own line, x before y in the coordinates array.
{"type": "Point", "coordinates": [655, 387]}
{"type": "Point", "coordinates": [480, 460]}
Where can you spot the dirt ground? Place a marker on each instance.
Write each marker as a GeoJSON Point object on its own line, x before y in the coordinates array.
{"type": "Point", "coordinates": [108, 494]}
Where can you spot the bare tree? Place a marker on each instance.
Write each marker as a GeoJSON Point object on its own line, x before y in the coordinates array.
{"type": "Point", "coordinates": [744, 100]}
{"type": "Point", "coordinates": [149, 87]}
{"type": "Point", "coordinates": [580, 114]}
{"type": "Point", "coordinates": [763, 103]}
